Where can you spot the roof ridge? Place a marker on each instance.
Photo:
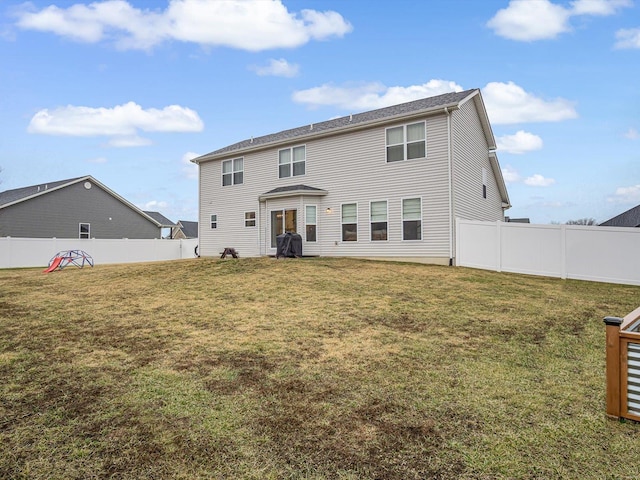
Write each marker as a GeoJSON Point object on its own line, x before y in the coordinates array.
{"type": "Point", "coordinates": [390, 111]}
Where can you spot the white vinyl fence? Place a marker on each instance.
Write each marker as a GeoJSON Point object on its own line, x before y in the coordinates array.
{"type": "Point", "coordinates": [37, 252]}
{"type": "Point", "coordinates": [602, 254]}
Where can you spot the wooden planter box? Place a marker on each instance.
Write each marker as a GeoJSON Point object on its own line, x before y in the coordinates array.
{"type": "Point", "coordinates": [623, 366]}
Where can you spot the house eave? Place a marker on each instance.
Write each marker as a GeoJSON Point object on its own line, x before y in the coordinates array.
{"type": "Point", "coordinates": [293, 193]}
{"type": "Point", "coordinates": [441, 109]}
{"type": "Point", "coordinates": [94, 181]}
{"type": "Point", "coordinates": [502, 187]}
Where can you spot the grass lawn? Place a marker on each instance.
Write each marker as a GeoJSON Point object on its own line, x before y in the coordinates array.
{"type": "Point", "coordinates": [307, 369]}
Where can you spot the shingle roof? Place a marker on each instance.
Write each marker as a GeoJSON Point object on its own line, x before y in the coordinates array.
{"type": "Point", "coordinates": [350, 120]}
{"type": "Point", "coordinates": [630, 218]}
{"type": "Point", "coordinates": [190, 229]}
{"type": "Point", "coordinates": [161, 219]}
{"type": "Point", "coordinates": [294, 188]}
{"type": "Point", "coordinates": [17, 194]}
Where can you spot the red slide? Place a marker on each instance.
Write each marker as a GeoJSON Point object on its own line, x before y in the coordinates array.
{"type": "Point", "coordinates": [54, 265]}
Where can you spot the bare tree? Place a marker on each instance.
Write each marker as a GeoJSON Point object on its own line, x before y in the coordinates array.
{"type": "Point", "coordinates": [582, 221]}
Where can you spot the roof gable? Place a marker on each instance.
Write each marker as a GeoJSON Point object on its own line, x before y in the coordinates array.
{"type": "Point", "coordinates": [11, 197]}
{"type": "Point", "coordinates": [337, 125]}
{"type": "Point", "coordinates": [19, 194]}
{"type": "Point", "coordinates": [630, 218]}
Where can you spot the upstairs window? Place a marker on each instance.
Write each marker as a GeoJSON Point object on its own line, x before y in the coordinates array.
{"type": "Point", "coordinates": [406, 142]}
{"type": "Point", "coordinates": [233, 172]}
{"type": "Point", "coordinates": [291, 162]}
{"type": "Point", "coordinates": [349, 221]}
{"type": "Point", "coordinates": [412, 219]}
{"type": "Point", "coordinates": [484, 182]}
{"type": "Point", "coordinates": [379, 220]}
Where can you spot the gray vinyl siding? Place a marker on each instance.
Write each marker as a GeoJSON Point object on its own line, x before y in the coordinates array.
{"type": "Point", "coordinates": [470, 156]}
{"type": "Point", "coordinates": [58, 214]}
{"type": "Point", "coordinates": [352, 168]}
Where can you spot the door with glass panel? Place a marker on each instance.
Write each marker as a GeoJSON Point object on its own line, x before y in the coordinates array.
{"type": "Point", "coordinates": [283, 221]}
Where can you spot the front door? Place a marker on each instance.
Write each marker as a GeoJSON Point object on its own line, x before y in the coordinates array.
{"type": "Point", "coordinates": [282, 221]}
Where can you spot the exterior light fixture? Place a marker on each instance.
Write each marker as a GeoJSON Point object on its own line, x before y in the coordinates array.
{"type": "Point", "coordinates": [329, 211]}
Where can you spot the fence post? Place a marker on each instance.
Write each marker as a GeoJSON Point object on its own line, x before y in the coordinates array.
{"type": "Point", "coordinates": [613, 365]}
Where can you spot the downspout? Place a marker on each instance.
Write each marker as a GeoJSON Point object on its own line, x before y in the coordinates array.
{"type": "Point", "coordinates": [450, 182]}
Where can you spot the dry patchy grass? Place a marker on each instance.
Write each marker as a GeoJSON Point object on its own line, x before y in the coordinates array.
{"type": "Point", "coordinates": [316, 369]}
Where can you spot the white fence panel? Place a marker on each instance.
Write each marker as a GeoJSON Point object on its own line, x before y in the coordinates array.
{"type": "Point", "coordinates": [37, 252]}
{"type": "Point", "coordinates": [481, 247]}
{"type": "Point", "coordinates": [603, 254]}
{"type": "Point", "coordinates": [531, 249]}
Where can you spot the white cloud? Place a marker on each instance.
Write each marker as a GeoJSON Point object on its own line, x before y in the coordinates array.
{"type": "Point", "coordinates": [538, 180]}
{"type": "Point", "coordinates": [530, 20]}
{"type": "Point", "coordinates": [252, 25]}
{"type": "Point", "coordinates": [121, 122]}
{"type": "Point", "coordinates": [519, 143]}
{"type": "Point", "coordinates": [153, 205]}
{"type": "Point", "coordinates": [371, 95]}
{"type": "Point", "coordinates": [189, 169]}
{"type": "Point", "coordinates": [509, 103]}
{"type": "Point", "coordinates": [510, 175]}
{"type": "Point", "coordinates": [625, 195]}
{"type": "Point", "coordinates": [598, 7]}
{"type": "Point", "coordinates": [628, 38]}
{"type": "Point", "coordinates": [527, 20]}
{"type": "Point", "coordinates": [277, 68]}
{"type": "Point", "coordinates": [632, 134]}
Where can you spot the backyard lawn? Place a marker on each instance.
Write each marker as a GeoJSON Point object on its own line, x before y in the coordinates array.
{"type": "Point", "coordinates": [307, 369]}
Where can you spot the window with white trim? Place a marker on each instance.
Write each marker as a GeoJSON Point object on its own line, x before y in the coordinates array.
{"type": "Point", "coordinates": [349, 222]}
{"type": "Point", "coordinates": [249, 219]}
{"type": "Point", "coordinates": [291, 161]}
{"type": "Point", "coordinates": [233, 172]}
{"type": "Point", "coordinates": [378, 220]}
{"type": "Point", "coordinates": [84, 230]}
{"type": "Point", "coordinates": [214, 221]}
{"type": "Point", "coordinates": [484, 182]}
{"type": "Point", "coordinates": [406, 142]}
{"type": "Point", "coordinates": [310, 222]}
{"type": "Point", "coordinates": [412, 219]}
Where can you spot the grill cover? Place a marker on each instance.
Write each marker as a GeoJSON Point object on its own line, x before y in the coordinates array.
{"type": "Point", "coordinates": [289, 245]}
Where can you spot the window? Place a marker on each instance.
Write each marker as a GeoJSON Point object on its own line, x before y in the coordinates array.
{"type": "Point", "coordinates": [249, 219]}
{"type": "Point", "coordinates": [291, 162]}
{"type": "Point", "coordinates": [349, 220]}
{"type": "Point", "coordinates": [214, 221]}
{"type": "Point", "coordinates": [412, 219]}
{"type": "Point", "coordinates": [484, 182]}
{"type": "Point", "coordinates": [233, 172]}
{"type": "Point", "coordinates": [282, 221]}
{"type": "Point", "coordinates": [406, 142]}
{"type": "Point", "coordinates": [378, 222]}
{"type": "Point", "coordinates": [310, 214]}
{"type": "Point", "coordinates": [85, 230]}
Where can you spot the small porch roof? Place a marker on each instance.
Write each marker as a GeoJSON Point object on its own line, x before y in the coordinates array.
{"type": "Point", "coordinates": [292, 191]}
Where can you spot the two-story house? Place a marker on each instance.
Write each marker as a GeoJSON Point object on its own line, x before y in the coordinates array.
{"type": "Point", "coordinates": [388, 183]}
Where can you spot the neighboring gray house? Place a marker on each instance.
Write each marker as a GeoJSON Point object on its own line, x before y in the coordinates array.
{"type": "Point", "coordinates": [166, 225]}
{"type": "Point", "coordinates": [75, 208]}
{"type": "Point", "coordinates": [185, 229]}
{"type": "Point", "coordinates": [388, 183]}
{"type": "Point", "coordinates": [630, 218]}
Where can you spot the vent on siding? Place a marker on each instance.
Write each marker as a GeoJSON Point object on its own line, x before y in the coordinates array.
{"type": "Point", "coordinates": [633, 378]}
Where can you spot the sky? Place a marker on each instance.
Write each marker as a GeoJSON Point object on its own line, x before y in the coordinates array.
{"type": "Point", "coordinates": [129, 91]}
